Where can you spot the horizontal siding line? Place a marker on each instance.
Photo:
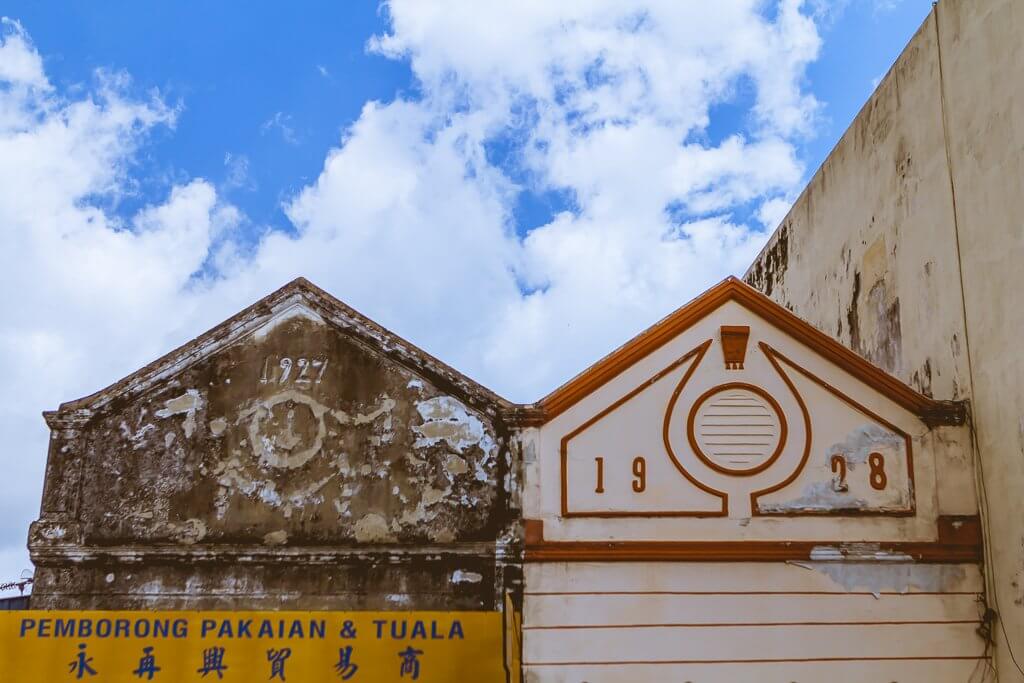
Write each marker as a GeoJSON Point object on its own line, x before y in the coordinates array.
{"type": "Point", "coordinates": [767, 661]}
{"type": "Point", "coordinates": [755, 623]}
{"type": "Point", "coordinates": [835, 593]}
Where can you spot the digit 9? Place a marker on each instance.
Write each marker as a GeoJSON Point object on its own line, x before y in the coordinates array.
{"type": "Point", "coordinates": [639, 475]}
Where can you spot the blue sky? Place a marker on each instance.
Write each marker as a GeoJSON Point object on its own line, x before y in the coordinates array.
{"type": "Point", "coordinates": [271, 91]}
{"type": "Point", "coordinates": [517, 188]}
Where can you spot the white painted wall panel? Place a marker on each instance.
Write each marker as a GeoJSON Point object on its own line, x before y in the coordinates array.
{"type": "Point", "coordinates": [737, 622]}
{"type": "Point", "coordinates": [730, 643]}
{"type": "Point", "coordinates": [546, 611]}
{"type": "Point", "coordinates": [790, 672]}
{"type": "Point", "coordinates": [830, 577]}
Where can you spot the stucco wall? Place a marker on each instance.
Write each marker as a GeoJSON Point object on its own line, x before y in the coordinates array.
{"type": "Point", "coordinates": [907, 243]}
{"type": "Point", "coordinates": [734, 622]}
{"type": "Point", "coordinates": [647, 559]}
{"type": "Point", "coordinates": [294, 456]}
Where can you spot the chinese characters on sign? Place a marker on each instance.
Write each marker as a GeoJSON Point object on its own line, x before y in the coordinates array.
{"type": "Point", "coordinates": [80, 665]}
{"type": "Point", "coordinates": [280, 646]}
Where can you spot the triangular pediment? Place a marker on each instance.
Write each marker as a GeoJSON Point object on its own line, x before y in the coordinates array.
{"type": "Point", "coordinates": [734, 290]}
{"type": "Point", "coordinates": [734, 407]}
{"type": "Point", "coordinates": [298, 421]}
{"type": "Point", "coordinates": [299, 299]}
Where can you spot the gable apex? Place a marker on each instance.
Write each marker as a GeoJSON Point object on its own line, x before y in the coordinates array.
{"type": "Point", "coordinates": [299, 298]}
{"type": "Point", "coordinates": [734, 289]}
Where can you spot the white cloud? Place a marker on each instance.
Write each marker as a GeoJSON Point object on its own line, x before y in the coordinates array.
{"type": "Point", "coordinates": [283, 124]}
{"type": "Point", "coordinates": [20, 65]}
{"type": "Point", "coordinates": [772, 211]}
{"type": "Point", "coordinates": [238, 178]}
{"type": "Point", "coordinates": [410, 221]}
{"type": "Point", "coordinates": [88, 297]}
{"type": "Point", "coordinates": [605, 101]}
{"type": "Point", "coordinates": [885, 6]}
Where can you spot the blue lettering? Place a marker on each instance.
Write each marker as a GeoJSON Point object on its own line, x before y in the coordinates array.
{"type": "Point", "coordinates": [243, 628]}
{"type": "Point", "coordinates": [64, 628]}
{"type": "Point", "coordinates": [103, 628]}
{"type": "Point", "coordinates": [318, 629]}
{"type": "Point", "coordinates": [122, 628]}
{"type": "Point", "coordinates": [296, 630]}
{"type": "Point", "coordinates": [380, 627]}
{"type": "Point", "coordinates": [180, 628]}
{"type": "Point", "coordinates": [225, 629]}
{"type": "Point", "coordinates": [418, 628]}
{"type": "Point", "coordinates": [27, 625]}
{"type": "Point", "coordinates": [161, 628]}
{"type": "Point", "coordinates": [44, 628]}
{"type": "Point", "coordinates": [456, 628]}
{"type": "Point", "coordinates": [266, 630]}
{"type": "Point", "coordinates": [394, 631]}
{"type": "Point", "coordinates": [208, 625]}
{"type": "Point", "coordinates": [434, 635]}
{"type": "Point", "coordinates": [142, 627]}
{"type": "Point", "coordinates": [85, 628]}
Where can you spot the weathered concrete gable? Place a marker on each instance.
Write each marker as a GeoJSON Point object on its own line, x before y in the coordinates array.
{"type": "Point", "coordinates": [297, 422]}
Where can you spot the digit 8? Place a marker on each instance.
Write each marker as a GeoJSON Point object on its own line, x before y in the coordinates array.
{"type": "Point", "coordinates": [877, 477]}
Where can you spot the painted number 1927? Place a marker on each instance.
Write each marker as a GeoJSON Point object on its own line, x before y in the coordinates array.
{"type": "Point", "coordinates": [301, 371]}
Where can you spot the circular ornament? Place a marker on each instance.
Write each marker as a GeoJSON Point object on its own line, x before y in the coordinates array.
{"type": "Point", "coordinates": [737, 429]}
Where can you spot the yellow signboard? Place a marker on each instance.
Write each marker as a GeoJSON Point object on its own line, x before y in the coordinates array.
{"type": "Point", "coordinates": [304, 647]}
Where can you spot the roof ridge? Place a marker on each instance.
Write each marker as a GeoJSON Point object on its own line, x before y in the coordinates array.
{"type": "Point", "coordinates": [252, 317]}
{"type": "Point", "coordinates": [734, 289]}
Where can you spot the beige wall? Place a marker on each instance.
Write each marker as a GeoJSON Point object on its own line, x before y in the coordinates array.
{"type": "Point", "coordinates": [793, 572]}
{"type": "Point", "coordinates": [907, 246]}
{"type": "Point", "coordinates": [729, 622]}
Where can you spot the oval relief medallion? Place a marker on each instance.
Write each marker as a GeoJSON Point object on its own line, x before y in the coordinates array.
{"type": "Point", "coordinates": [737, 429]}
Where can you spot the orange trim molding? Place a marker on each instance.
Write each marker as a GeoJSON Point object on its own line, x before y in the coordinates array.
{"type": "Point", "coordinates": [732, 289]}
{"type": "Point", "coordinates": [696, 354]}
{"type": "Point", "coordinates": [777, 359]}
{"type": "Point", "coordinates": [736, 472]}
{"type": "Point", "coordinates": [958, 542]}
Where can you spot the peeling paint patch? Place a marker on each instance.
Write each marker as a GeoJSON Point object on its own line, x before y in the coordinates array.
{"type": "Point", "coordinates": [825, 494]}
{"type": "Point", "coordinates": [818, 496]}
{"type": "Point", "coordinates": [372, 528]}
{"type": "Point", "coordinates": [189, 532]}
{"type": "Point", "coordinates": [455, 465]}
{"type": "Point", "coordinates": [862, 441]}
{"type": "Point", "coordinates": [445, 418]}
{"type": "Point", "coordinates": [187, 404]}
{"type": "Point", "coordinates": [857, 551]}
{"type": "Point", "coordinates": [900, 576]}
{"type": "Point", "coordinates": [279, 537]}
{"type": "Point", "coordinates": [137, 438]}
{"type": "Point", "coordinates": [460, 576]}
{"type": "Point", "coordinates": [218, 426]}
{"type": "Point", "coordinates": [290, 313]}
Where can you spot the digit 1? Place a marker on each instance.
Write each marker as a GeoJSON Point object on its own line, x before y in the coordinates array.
{"type": "Point", "coordinates": [640, 474]}
{"type": "Point", "coordinates": [600, 475]}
